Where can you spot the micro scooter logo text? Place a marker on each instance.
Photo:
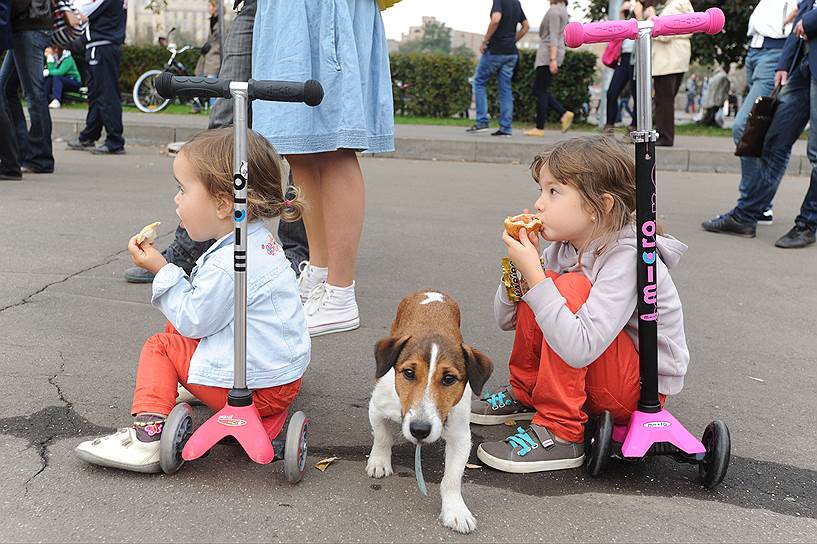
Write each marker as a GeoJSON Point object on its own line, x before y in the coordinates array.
{"type": "Point", "coordinates": [649, 257]}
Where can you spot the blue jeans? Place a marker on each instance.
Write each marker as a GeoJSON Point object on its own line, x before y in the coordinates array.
{"type": "Point", "coordinates": [760, 68]}
{"type": "Point", "coordinates": [502, 66]}
{"type": "Point", "coordinates": [23, 67]}
{"type": "Point", "coordinates": [798, 106]}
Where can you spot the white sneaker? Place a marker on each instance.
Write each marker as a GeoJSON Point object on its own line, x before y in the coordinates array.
{"type": "Point", "coordinates": [331, 309]}
{"type": "Point", "coordinates": [309, 278]}
{"type": "Point", "coordinates": [186, 396]}
{"type": "Point", "coordinates": [54, 104]}
{"type": "Point", "coordinates": [121, 450]}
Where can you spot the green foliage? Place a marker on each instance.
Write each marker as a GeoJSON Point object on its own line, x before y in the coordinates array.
{"type": "Point", "coordinates": [436, 38]}
{"type": "Point", "coordinates": [570, 86]}
{"type": "Point", "coordinates": [430, 84]}
{"type": "Point", "coordinates": [137, 59]}
{"type": "Point", "coordinates": [729, 46]}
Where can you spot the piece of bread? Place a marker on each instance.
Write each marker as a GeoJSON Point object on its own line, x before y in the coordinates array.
{"type": "Point", "coordinates": [148, 234]}
{"type": "Point", "coordinates": [525, 221]}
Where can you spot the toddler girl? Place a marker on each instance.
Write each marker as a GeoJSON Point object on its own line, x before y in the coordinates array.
{"type": "Point", "coordinates": [575, 351]}
{"type": "Point", "coordinates": [196, 349]}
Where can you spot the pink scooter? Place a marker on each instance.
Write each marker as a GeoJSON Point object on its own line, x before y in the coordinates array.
{"type": "Point", "coordinates": [652, 430]}
{"type": "Point", "coordinates": [239, 420]}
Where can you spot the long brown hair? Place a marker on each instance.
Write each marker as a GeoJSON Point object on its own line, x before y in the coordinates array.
{"type": "Point", "coordinates": [210, 153]}
{"type": "Point", "coordinates": [595, 166]}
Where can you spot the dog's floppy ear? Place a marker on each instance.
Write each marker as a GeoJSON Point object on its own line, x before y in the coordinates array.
{"type": "Point", "coordinates": [478, 366]}
{"type": "Point", "coordinates": [386, 353]}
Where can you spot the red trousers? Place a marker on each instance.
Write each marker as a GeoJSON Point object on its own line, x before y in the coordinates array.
{"type": "Point", "coordinates": [165, 363]}
{"type": "Point", "coordinates": [557, 391]}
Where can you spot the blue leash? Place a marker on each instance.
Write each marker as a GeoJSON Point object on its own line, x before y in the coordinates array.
{"type": "Point", "coordinates": [418, 472]}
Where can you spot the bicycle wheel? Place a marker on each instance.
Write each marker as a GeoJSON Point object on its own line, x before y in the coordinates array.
{"type": "Point", "coordinates": [145, 95]}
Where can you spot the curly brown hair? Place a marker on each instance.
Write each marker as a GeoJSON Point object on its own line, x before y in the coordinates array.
{"type": "Point", "coordinates": [210, 154]}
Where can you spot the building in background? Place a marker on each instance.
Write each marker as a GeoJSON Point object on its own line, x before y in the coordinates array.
{"type": "Point", "coordinates": [459, 38]}
{"type": "Point", "coordinates": [190, 17]}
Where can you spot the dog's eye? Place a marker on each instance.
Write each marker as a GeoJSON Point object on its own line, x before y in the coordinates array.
{"type": "Point", "coordinates": [408, 374]}
{"type": "Point", "coordinates": [448, 379]}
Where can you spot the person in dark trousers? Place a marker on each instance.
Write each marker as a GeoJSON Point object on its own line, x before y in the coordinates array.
{"type": "Point", "coordinates": [499, 57]}
{"type": "Point", "coordinates": [103, 53]}
{"type": "Point", "coordinates": [549, 58]}
{"type": "Point", "coordinates": [796, 109]}
{"type": "Point", "coordinates": [623, 78]}
{"type": "Point", "coordinates": [31, 22]}
{"type": "Point", "coordinates": [236, 65]}
{"type": "Point", "coordinates": [9, 165]}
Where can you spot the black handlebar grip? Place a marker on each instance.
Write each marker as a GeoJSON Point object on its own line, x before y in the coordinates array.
{"type": "Point", "coordinates": [169, 86]}
{"type": "Point", "coordinates": [310, 92]}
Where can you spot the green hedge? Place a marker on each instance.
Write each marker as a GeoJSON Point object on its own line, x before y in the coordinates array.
{"type": "Point", "coordinates": [430, 84]}
{"type": "Point", "coordinates": [570, 86]}
{"type": "Point", "coordinates": [424, 84]}
{"type": "Point", "coordinates": [137, 59]}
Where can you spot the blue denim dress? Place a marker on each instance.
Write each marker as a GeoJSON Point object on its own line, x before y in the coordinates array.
{"type": "Point", "coordinates": [342, 44]}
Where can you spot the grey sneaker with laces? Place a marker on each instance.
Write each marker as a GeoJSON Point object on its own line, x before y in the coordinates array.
{"type": "Point", "coordinates": [531, 450]}
{"type": "Point", "coordinates": [498, 407]}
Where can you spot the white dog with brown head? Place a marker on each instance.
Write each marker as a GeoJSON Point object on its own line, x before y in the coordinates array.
{"type": "Point", "coordinates": [425, 375]}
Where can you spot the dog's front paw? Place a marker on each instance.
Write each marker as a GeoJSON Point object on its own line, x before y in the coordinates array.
{"type": "Point", "coordinates": [379, 466]}
{"type": "Point", "coordinates": [459, 518]}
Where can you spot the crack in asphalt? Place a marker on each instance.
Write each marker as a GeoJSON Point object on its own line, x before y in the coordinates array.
{"type": "Point", "coordinates": [26, 299]}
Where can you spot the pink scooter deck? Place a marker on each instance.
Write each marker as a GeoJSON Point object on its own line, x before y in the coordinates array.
{"type": "Point", "coordinates": [645, 429]}
{"type": "Point", "coordinates": [254, 433]}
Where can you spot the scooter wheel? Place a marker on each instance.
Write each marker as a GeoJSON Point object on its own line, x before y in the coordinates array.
{"type": "Point", "coordinates": [176, 432]}
{"type": "Point", "coordinates": [717, 442]}
{"type": "Point", "coordinates": [296, 447]}
{"type": "Point", "coordinates": [598, 444]}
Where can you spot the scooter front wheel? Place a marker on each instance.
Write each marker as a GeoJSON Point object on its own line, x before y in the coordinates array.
{"type": "Point", "coordinates": [177, 430]}
{"type": "Point", "coordinates": [296, 447]}
{"type": "Point", "coordinates": [598, 444]}
{"type": "Point", "coordinates": [718, 446]}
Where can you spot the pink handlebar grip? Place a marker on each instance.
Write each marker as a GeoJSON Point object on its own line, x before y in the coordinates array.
{"type": "Point", "coordinates": [711, 22]}
{"type": "Point", "coordinates": [577, 34]}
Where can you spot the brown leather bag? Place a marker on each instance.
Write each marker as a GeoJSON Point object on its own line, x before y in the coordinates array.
{"type": "Point", "coordinates": [757, 124]}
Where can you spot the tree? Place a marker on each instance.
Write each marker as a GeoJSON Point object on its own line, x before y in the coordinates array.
{"type": "Point", "coordinates": [436, 38]}
{"type": "Point", "coordinates": [724, 48]}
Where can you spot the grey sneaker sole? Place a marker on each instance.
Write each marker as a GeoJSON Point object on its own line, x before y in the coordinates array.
{"type": "Point", "coordinates": [152, 468]}
{"type": "Point", "coordinates": [529, 466]}
{"type": "Point", "coordinates": [330, 328]}
{"type": "Point", "coordinates": [484, 419]}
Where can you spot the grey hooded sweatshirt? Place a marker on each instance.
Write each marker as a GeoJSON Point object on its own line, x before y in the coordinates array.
{"type": "Point", "coordinates": [580, 338]}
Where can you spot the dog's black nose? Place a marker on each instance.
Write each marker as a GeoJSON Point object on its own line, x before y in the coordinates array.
{"type": "Point", "coordinates": [420, 429]}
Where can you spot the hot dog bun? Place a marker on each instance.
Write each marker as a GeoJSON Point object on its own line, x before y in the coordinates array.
{"type": "Point", "coordinates": [525, 221]}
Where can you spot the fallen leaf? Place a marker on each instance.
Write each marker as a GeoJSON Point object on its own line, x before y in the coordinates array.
{"type": "Point", "coordinates": [469, 465]}
{"type": "Point", "coordinates": [323, 464]}
{"type": "Point", "coordinates": [511, 423]}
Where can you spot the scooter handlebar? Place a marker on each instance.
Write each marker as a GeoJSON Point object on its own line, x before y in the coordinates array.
{"type": "Point", "coordinates": [710, 21]}
{"type": "Point", "coordinates": [577, 34]}
{"type": "Point", "coordinates": [170, 86]}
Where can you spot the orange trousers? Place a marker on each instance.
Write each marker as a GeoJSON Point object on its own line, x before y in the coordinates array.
{"type": "Point", "coordinates": [562, 395]}
{"type": "Point", "coordinates": [165, 363]}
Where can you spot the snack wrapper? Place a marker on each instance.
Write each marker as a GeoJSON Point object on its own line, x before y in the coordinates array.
{"type": "Point", "coordinates": [513, 280]}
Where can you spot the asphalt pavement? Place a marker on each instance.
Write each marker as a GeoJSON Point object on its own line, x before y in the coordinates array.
{"type": "Point", "coordinates": [71, 331]}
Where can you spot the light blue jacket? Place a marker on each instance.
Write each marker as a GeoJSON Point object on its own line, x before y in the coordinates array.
{"type": "Point", "coordinates": [278, 344]}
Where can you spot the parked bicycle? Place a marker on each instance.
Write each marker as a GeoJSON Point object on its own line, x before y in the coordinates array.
{"type": "Point", "coordinates": [145, 95]}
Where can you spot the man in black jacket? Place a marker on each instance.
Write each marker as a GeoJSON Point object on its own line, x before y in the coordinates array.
{"type": "Point", "coordinates": [31, 23]}
{"type": "Point", "coordinates": [103, 53]}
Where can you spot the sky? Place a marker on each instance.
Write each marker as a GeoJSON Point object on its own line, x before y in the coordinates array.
{"type": "Point", "coordinates": [469, 15]}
